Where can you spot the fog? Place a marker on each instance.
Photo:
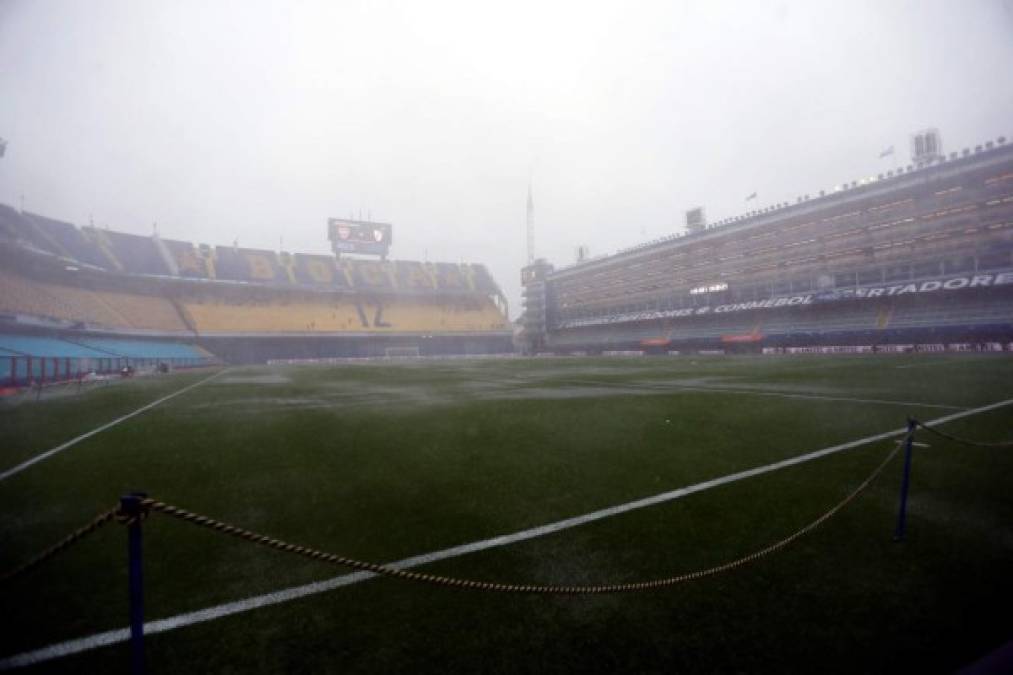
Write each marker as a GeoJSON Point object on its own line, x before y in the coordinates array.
{"type": "Point", "coordinates": [258, 121]}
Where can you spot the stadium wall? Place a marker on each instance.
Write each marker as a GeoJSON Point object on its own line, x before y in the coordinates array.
{"type": "Point", "coordinates": [260, 349]}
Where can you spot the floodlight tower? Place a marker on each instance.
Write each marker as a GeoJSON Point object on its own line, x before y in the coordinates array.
{"type": "Point", "coordinates": [531, 226]}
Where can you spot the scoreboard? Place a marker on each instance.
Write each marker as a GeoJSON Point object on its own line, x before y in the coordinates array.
{"type": "Point", "coordinates": [359, 236]}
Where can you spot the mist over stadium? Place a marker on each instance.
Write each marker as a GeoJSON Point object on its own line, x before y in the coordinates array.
{"type": "Point", "coordinates": [532, 337]}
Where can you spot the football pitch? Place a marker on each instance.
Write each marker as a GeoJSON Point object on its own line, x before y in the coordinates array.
{"type": "Point", "coordinates": [530, 471]}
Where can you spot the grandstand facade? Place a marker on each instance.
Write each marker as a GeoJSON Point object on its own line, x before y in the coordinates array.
{"type": "Point", "coordinates": [244, 305]}
{"type": "Point", "coordinates": [920, 255]}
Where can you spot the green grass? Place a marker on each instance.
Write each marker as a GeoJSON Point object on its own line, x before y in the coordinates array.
{"type": "Point", "coordinates": [381, 462]}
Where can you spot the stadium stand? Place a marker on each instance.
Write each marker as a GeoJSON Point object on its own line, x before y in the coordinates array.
{"type": "Point", "coordinates": [29, 345]}
{"type": "Point", "coordinates": [10, 223]}
{"type": "Point", "coordinates": [66, 241]}
{"type": "Point", "coordinates": [318, 270]}
{"type": "Point", "coordinates": [91, 282]}
{"type": "Point", "coordinates": [144, 349]}
{"type": "Point", "coordinates": [21, 295]}
{"type": "Point", "coordinates": [243, 264]}
{"type": "Point", "coordinates": [843, 266]}
{"type": "Point", "coordinates": [136, 254]}
{"type": "Point", "coordinates": [145, 312]}
{"type": "Point", "coordinates": [987, 319]}
{"type": "Point", "coordinates": [110, 309]}
{"type": "Point", "coordinates": [340, 315]}
{"type": "Point", "coordinates": [186, 260]}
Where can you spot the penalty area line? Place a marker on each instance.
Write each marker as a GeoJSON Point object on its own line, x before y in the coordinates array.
{"type": "Point", "coordinates": [112, 637]}
{"type": "Point", "coordinates": [14, 470]}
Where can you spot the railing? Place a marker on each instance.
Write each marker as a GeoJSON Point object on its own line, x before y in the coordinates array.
{"type": "Point", "coordinates": [21, 371]}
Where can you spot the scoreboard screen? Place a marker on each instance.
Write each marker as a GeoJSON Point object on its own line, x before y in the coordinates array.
{"type": "Point", "coordinates": [359, 236]}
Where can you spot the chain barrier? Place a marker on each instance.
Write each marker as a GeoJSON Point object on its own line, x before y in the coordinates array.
{"type": "Point", "coordinates": [63, 544]}
{"type": "Point", "coordinates": [152, 505]}
{"type": "Point", "coordinates": [963, 441]}
{"type": "Point", "coordinates": [472, 584]}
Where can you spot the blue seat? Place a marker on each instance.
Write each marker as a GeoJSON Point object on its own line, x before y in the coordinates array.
{"type": "Point", "coordinates": [23, 345]}
{"type": "Point", "coordinates": [142, 349]}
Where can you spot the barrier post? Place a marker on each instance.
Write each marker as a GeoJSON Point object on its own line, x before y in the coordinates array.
{"type": "Point", "coordinates": [131, 506]}
{"type": "Point", "coordinates": [905, 484]}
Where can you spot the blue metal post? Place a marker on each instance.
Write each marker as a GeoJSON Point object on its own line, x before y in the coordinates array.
{"type": "Point", "coordinates": [131, 505]}
{"type": "Point", "coordinates": [899, 533]}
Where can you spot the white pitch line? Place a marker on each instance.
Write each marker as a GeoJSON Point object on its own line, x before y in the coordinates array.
{"type": "Point", "coordinates": [111, 637]}
{"type": "Point", "coordinates": [763, 392]}
{"type": "Point", "coordinates": [821, 397]}
{"type": "Point", "coordinates": [927, 364]}
{"type": "Point", "coordinates": [74, 441]}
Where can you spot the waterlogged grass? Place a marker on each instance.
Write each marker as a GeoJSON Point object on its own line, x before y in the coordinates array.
{"type": "Point", "coordinates": [382, 462]}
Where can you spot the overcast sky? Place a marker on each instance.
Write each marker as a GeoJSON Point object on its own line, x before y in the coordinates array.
{"type": "Point", "coordinates": [256, 120]}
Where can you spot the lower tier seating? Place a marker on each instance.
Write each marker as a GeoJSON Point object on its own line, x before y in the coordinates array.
{"type": "Point", "coordinates": [328, 315]}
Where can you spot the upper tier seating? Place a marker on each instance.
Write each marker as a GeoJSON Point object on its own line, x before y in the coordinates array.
{"type": "Point", "coordinates": [189, 262]}
{"type": "Point", "coordinates": [10, 223]}
{"type": "Point", "coordinates": [136, 254]}
{"type": "Point", "coordinates": [149, 255]}
{"type": "Point", "coordinates": [68, 241]}
{"type": "Point", "coordinates": [318, 270]}
{"type": "Point", "coordinates": [244, 264]}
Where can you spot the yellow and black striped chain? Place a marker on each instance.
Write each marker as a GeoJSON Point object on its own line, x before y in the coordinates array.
{"type": "Point", "coordinates": [963, 441]}
{"type": "Point", "coordinates": [72, 538]}
{"type": "Point", "coordinates": [472, 584]}
{"type": "Point", "coordinates": [148, 505]}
